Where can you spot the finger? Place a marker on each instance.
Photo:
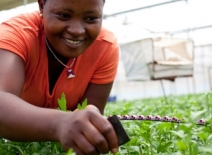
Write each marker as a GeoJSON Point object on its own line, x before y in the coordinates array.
{"type": "Point", "coordinates": [67, 145]}
{"type": "Point", "coordinates": [105, 128]}
{"type": "Point", "coordinates": [96, 139]}
{"type": "Point", "coordinates": [77, 150]}
{"type": "Point", "coordinates": [85, 146]}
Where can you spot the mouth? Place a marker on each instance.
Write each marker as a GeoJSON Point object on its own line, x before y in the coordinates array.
{"type": "Point", "coordinates": [73, 42]}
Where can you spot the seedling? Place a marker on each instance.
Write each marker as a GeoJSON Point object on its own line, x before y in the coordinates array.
{"type": "Point", "coordinates": [147, 136]}
{"type": "Point", "coordinates": [83, 106]}
{"type": "Point", "coordinates": [63, 104]}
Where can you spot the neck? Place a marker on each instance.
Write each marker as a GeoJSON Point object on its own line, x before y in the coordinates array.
{"type": "Point", "coordinates": [61, 59]}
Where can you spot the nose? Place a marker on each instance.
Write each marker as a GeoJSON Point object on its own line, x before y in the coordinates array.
{"type": "Point", "coordinates": [76, 27]}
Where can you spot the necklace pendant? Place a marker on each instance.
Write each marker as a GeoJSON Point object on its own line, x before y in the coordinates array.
{"type": "Point", "coordinates": [70, 74]}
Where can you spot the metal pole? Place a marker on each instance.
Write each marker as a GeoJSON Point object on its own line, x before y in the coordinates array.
{"type": "Point", "coordinates": [163, 90]}
{"type": "Point", "coordinates": [25, 2]}
{"type": "Point", "coordinates": [145, 7]}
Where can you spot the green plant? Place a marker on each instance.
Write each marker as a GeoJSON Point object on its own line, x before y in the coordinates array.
{"type": "Point", "coordinates": [152, 137]}
{"type": "Point", "coordinates": [147, 137]}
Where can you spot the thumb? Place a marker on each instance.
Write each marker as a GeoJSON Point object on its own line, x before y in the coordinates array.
{"type": "Point", "coordinates": [90, 106]}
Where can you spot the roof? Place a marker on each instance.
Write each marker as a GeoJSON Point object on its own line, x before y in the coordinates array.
{"type": "Point", "coordinates": [9, 4]}
{"type": "Point", "coordinates": [136, 19]}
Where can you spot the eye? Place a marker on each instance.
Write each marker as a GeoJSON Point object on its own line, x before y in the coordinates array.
{"type": "Point", "coordinates": [91, 19]}
{"type": "Point", "coordinates": [64, 16]}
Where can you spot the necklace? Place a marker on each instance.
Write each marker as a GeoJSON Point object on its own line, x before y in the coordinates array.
{"type": "Point", "coordinates": [69, 71]}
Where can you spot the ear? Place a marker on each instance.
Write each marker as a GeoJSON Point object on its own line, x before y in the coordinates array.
{"type": "Point", "coordinates": [40, 3]}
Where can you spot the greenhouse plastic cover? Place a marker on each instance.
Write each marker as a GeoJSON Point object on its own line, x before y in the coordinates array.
{"type": "Point", "coordinates": [137, 33]}
{"type": "Point", "coordinates": [155, 58]}
{"type": "Point", "coordinates": [181, 18]}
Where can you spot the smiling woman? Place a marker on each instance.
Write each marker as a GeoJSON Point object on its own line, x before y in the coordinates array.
{"type": "Point", "coordinates": [62, 48]}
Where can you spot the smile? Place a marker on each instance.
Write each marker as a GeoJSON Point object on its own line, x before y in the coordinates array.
{"type": "Point", "coordinates": [73, 42]}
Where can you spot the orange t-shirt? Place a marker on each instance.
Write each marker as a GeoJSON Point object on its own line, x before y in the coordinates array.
{"type": "Point", "coordinates": [24, 35]}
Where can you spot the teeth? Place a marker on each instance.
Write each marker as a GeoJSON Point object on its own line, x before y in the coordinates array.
{"type": "Point", "coordinates": [73, 42]}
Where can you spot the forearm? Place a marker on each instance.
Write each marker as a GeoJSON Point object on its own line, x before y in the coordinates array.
{"type": "Point", "coordinates": [21, 121]}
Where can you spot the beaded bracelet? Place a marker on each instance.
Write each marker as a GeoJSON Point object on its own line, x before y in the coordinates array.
{"type": "Point", "coordinates": [156, 118]}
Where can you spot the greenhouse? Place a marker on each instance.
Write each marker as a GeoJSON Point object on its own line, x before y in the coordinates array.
{"type": "Point", "coordinates": [162, 90]}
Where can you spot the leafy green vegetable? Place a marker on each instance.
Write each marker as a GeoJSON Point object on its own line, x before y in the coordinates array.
{"type": "Point", "coordinates": [147, 137]}
{"type": "Point", "coordinates": [70, 152]}
{"type": "Point", "coordinates": [83, 106]}
{"type": "Point", "coordinates": [62, 103]}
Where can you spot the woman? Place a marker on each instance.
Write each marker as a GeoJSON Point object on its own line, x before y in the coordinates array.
{"type": "Point", "coordinates": [60, 49]}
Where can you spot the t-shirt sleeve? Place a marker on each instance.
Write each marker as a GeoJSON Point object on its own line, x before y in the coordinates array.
{"type": "Point", "coordinates": [107, 68]}
{"type": "Point", "coordinates": [16, 33]}
{"type": "Point", "coordinates": [11, 39]}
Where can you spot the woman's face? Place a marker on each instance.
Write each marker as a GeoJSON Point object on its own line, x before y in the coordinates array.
{"type": "Point", "coordinates": [71, 26]}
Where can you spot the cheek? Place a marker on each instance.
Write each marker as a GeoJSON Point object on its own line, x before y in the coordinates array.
{"type": "Point", "coordinates": [94, 31]}
{"type": "Point", "coordinates": [53, 27]}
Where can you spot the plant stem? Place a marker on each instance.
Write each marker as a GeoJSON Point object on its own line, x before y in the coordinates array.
{"type": "Point", "coordinates": [190, 149]}
{"type": "Point", "coordinates": [150, 145]}
{"type": "Point", "coordinates": [140, 150]}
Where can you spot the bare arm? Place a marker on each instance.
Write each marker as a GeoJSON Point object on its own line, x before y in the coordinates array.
{"type": "Point", "coordinates": [18, 119]}
{"type": "Point", "coordinates": [86, 131]}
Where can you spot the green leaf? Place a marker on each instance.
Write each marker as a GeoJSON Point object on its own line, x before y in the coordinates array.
{"type": "Point", "coordinates": [195, 115]}
{"type": "Point", "coordinates": [84, 103]}
{"type": "Point", "coordinates": [181, 145]}
{"type": "Point", "coordinates": [162, 148]}
{"type": "Point", "coordinates": [207, 149]}
{"type": "Point", "coordinates": [179, 133]}
{"type": "Point", "coordinates": [83, 106]}
{"type": "Point", "coordinates": [62, 102]}
{"type": "Point", "coordinates": [70, 152]}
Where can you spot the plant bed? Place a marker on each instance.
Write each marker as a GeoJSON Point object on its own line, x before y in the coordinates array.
{"type": "Point", "coordinates": [189, 134]}
{"type": "Point", "coordinates": [148, 137]}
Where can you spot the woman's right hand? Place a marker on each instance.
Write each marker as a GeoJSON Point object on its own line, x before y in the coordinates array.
{"type": "Point", "coordinates": [87, 132]}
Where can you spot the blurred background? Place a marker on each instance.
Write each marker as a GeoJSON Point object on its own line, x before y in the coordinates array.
{"type": "Point", "coordinates": [165, 45]}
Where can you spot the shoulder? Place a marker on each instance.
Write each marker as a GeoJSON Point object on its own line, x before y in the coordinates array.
{"type": "Point", "coordinates": [21, 34]}
{"type": "Point", "coordinates": [105, 46]}
{"type": "Point", "coordinates": [106, 35]}
{"type": "Point", "coordinates": [25, 21]}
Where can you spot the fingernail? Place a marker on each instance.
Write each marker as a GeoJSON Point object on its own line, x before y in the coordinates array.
{"type": "Point", "coordinates": [114, 150]}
